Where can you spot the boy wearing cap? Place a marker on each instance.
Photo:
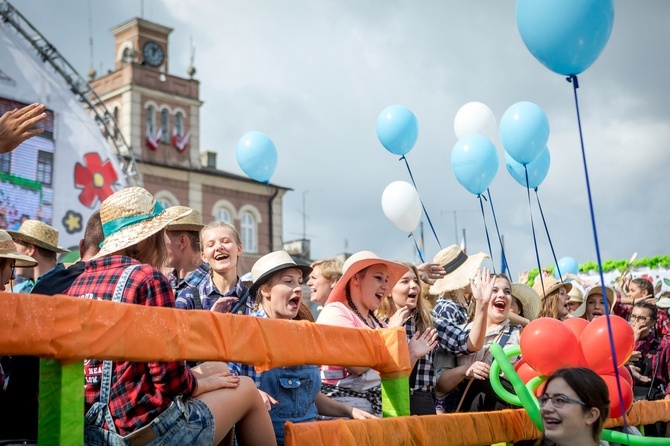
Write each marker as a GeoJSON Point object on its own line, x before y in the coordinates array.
{"type": "Point", "coordinates": [39, 241]}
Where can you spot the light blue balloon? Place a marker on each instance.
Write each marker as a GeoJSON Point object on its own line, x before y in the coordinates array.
{"type": "Point", "coordinates": [567, 265]}
{"type": "Point", "coordinates": [397, 129]}
{"type": "Point", "coordinates": [537, 170]}
{"type": "Point", "coordinates": [524, 131]}
{"type": "Point", "coordinates": [474, 160]}
{"type": "Point", "coordinates": [566, 36]}
{"type": "Point", "coordinates": [257, 156]}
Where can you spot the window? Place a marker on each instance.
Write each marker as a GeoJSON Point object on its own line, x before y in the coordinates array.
{"type": "Point", "coordinates": [45, 163]}
{"type": "Point", "coordinates": [6, 162]}
{"type": "Point", "coordinates": [165, 125]}
{"type": "Point", "coordinates": [179, 124]}
{"type": "Point", "coordinates": [223, 215]}
{"type": "Point", "coordinates": [248, 232]}
{"type": "Point", "coordinates": [151, 120]}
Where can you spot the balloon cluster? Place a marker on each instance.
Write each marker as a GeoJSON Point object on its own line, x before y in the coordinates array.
{"type": "Point", "coordinates": [548, 344]}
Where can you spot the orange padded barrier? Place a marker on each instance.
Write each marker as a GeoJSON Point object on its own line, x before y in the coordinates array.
{"type": "Point", "coordinates": [461, 429]}
{"type": "Point", "coordinates": [72, 329]}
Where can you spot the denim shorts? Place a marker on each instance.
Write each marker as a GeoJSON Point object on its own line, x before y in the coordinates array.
{"type": "Point", "coordinates": [187, 422]}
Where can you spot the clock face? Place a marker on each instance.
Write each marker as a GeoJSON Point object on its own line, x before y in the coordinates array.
{"type": "Point", "coordinates": [153, 54]}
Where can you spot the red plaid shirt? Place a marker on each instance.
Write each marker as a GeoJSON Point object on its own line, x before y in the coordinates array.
{"type": "Point", "coordinates": [662, 326]}
{"type": "Point", "coordinates": [139, 391]}
{"type": "Point", "coordinates": [658, 350]}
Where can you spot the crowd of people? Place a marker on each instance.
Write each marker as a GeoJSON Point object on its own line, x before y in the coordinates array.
{"type": "Point", "coordinates": [452, 310]}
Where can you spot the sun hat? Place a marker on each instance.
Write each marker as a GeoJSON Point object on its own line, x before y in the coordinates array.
{"type": "Point", "coordinates": [460, 268]}
{"type": "Point", "coordinates": [551, 284]}
{"type": "Point", "coordinates": [35, 232]}
{"type": "Point", "coordinates": [579, 312]}
{"type": "Point", "coordinates": [528, 298]}
{"type": "Point", "coordinates": [269, 264]}
{"type": "Point", "coordinates": [576, 295]}
{"type": "Point", "coordinates": [131, 215]}
{"type": "Point", "coordinates": [663, 301]}
{"type": "Point", "coordinates": [357, 263]}
{"type": "Point", "coordinates": [8, 251]}
{"type": "Point", "coordinates": [190, 222]}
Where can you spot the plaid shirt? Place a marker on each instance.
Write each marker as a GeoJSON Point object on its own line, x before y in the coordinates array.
{"type": "Point", "coordinates": [662, 321]}
{"type": "Point", "coordinates": [658, 349]}
{"type": "Point", "coordinates": [425, 372]}
{"type": "Point", "coordinates": [139, 391]}
{"type": "Point", "coordinates": [448, 316]}
{"type": "Point", "coordinates": [249, 370]}
{"type": "Point", "coordinates": [202, 282]}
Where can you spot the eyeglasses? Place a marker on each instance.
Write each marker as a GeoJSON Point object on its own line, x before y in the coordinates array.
{"type": "Point", "coordinates": [558, 400]}
{"type": "Point", "coordinates": [634, 318]}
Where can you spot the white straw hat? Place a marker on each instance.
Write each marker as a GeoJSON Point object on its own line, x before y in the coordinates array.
{"type": "Point", "coordinates": [35, 232]}
{"type": "Point", "coordinates": [358, 262]}
{"type": "Point", "coordinates": [190, 222]}
{"type": "Point", "coordinates": [269, 264]}
{"type": "Point", "coordinates": [550, 284]}
{"type": "Point", "coordinates": [581, 310]}
{"type": "Point", "coordinates": [131, 215]}
{"type": "Point", "coordinates": [8, 251]}
{"type": "Point", "coordinates": [460, 268]}
{"type": "Point", "coordinates": [529, 299]}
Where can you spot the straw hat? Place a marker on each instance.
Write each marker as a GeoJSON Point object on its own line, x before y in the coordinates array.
{"type": "Point", "coordinates": [460, 269]}
{"type": "Point", "coordinates": [551, 284]}
{"type": "Point", "coordinates": [190, 222]}
{"type": "Point", "coordinates": [357, 263]}
{"type": "Point", "coordinates": [34, 232]}
{"type": "Point", "coordinates": [269, 264]}
{"type": "Point", "coordinates": [576, 294]}
{"type": "Point", "coordinates": [131, 215]}
{"type": "Point", "coordinates": [581, 310]}
{"type": "Point", "coordinates": [528, 298]}
{"type": "Point", "coordinates": [663, 301]}
{"type": "Point", "coordinates": [8, 251]}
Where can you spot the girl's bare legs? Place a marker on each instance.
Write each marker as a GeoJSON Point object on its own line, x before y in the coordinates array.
{"type": "Point", "coordinates": [243, 408]}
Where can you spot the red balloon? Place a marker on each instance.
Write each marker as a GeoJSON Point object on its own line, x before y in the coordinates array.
{"type": "Point", "coordinates": [626, 391]}
{"type": "Point", "coordinates": [525, 372]}
{"type": "Point", "coordinates": [548, 345]}
{"type": "Point", "coordinates": [595, 343]}
{"type": "Point", "coordinates": [625, 374]}
{"type": "Point", "coordinates": [577, 325]}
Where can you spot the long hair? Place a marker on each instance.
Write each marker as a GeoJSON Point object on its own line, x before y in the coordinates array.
{"type": "Point", "coordinates": [645, 285]}
{"type": "Point", "coordinates": [590, 389]}
{"type": "Point", "coordinates": [549, 305]}
{"type": "Point", "coordinates": [421, 313]}
{"type": "Point", "coordinates": [154, 252]}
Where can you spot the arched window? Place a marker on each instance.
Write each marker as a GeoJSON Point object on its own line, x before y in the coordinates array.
{"type": "Point", "coordinates": [223, 210]}
{"type": "Point", "coordinates": [248, 232]}
{"type": "Point", "coordinates": [179, 124]}
{"type": "Point", "coordinates": [222, 214]}
{"type": "Point", "coordinates": [151, 119]}
{"type": "Point", "coordinates": [165, 125]}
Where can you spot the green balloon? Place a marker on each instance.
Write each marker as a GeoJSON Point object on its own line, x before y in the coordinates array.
{"type": "Point", "coordinates": [632, 440]}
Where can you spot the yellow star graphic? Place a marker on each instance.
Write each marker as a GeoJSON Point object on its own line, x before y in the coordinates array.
{"type": "Point", "coordinates": [73, 222]}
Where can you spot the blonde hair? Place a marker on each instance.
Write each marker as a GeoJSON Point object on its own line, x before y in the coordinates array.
{"type": "Point", "coordinates": [421, 313]}
{"type": "Point", "coordinates": [154, 252]}
{"type": "Point", "coordinates": [220, 224]}
{"type": "Point", "coordinates": [331, 269]}
{"type": "Point", "coordinates": [549, 305]}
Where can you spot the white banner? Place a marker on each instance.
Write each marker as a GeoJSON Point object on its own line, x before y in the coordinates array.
{"type": "Point", "coordinates": [61, 176]}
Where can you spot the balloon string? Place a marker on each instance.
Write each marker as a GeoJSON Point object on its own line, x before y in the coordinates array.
{"type": "Point", "coordinates": [420, 200]}
{"type": "Point", "coordinates": [551, 245]}
{"type": "Point", "coordinates": [575, 85]}
{"type": "Point", "coordinates": [411, 234]}
{"type": "Point", "coordinates": [532, 226]}
{"type": "Point", "coordinates": [486, 229]}
{"type": "Point", "coordinates": [504, 265]}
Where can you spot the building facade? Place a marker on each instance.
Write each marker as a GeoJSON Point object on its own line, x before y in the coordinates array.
{"type": "Point", "coordinates": [159, 115]}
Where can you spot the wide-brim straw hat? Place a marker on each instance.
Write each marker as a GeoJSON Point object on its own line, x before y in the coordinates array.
{"type": "Point", "coordinates": [581, 310]}
{"type": "Point", "coordinates": [528, 298]}
{"type": "Point", "coordinates": [576, 295]}
{"type": "Point", "coordinates": [269, 264]}
{"type": "Point", "coordinates": [551, 284]}
{"type": "Point", "coordinates": [131, 215]}
{"type": "Point", "coordinates": [35, 232]}
{"type": "Point", "coordinates": [460, 268]}
{"type": "Point", "coordinates": [663, 302]}
{"type": "Point", "coordinates": [8, 251]}
{"type": "Point", "coordinates": [357, 263]}
{"type": "Point", "coordinates": [190, 222]}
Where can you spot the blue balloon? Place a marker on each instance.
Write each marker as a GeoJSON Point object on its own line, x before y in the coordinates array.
{"type": "Point", "coordinates": [537, 170]}
{"type": "Point", "coordinates": [474, 161]}
{"type": "Point", "coordinates": [524, 131]}
{"type": "Point", "coordinates": [397, 129]}
{"type": "Point", "coordinates": [257, 156]}
{"type": "Point", "coordinates": [567, 265]}
{"type": "Point", "coordinates": [566, 36]}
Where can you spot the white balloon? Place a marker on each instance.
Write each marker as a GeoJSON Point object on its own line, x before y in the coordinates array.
{"type": "Point", "coordinates": [475, 117]}
{"type": "Point", "coordinates": [401, 205]}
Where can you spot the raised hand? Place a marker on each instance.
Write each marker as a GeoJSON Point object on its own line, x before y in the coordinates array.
{"type": "Point", "coordinates": [399, 317]}
{"type": "Point", "coordinates": [422, 343]}
{"type": "Point", "coordinates": [430, 272]}
{"type": "Point", "coordinates": [482, 287]}
{"type": "Point", "coordinates": [17, 125]}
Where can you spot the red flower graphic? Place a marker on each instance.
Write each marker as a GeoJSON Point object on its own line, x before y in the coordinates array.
{"type": "Point", "coordinates": [95, 177]}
